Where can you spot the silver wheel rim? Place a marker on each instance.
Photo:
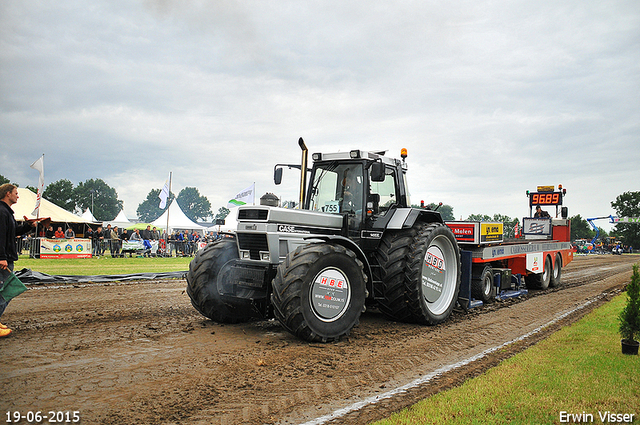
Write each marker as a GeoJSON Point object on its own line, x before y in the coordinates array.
{"type": "Point", "coordinates": [487, 285]}
{"type": "Point", "coordinates": [439, 275]}
{"type": "Point", "coordinates": [545, 273]}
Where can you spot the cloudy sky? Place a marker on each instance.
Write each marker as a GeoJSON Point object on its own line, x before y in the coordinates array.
{"type": "Point", "coordinates": [490, 98]}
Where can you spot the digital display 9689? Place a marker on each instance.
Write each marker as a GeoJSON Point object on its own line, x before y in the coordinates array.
{"type": "Point", "coordinates": [545, 198]}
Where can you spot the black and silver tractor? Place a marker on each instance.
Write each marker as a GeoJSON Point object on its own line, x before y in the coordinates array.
{"type": "Point", "coordinates": [355, 241]}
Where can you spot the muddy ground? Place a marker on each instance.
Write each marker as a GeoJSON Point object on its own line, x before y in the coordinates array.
{"type": "Point", "coordinates": [138, 353]}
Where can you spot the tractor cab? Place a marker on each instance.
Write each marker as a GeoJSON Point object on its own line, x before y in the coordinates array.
{"type": "Point", "coordinates": [361, 186]}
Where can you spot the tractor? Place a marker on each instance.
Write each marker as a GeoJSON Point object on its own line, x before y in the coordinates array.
{"type": "Point", "coordinates": [354, 242]}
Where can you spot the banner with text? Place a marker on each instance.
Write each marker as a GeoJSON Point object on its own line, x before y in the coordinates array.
{"type": "Point", "coordinates": [65, 248]}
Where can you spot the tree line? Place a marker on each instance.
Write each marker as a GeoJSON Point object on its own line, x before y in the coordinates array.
{"type": "Point", "coordinates": [104, 204]}
{"type": "Point", "coordinates": [103, 201]}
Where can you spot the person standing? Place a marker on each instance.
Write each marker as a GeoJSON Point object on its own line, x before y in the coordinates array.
{"type": "Point", "coordinates": [540, 213]}
{"type": "Point", "coordinates": [9, 229]}
{"type": "Point", "coordinates": [135, 235]}
{"type": "Point", "coordinates": [106, 242]}
{"type": "Point", "coordinates": [146, 234]}
{"type": "Point", "coordinates": [69, 233]}
{"type": "Point", "coordinates": [97, 237]}
{"type": "Point", "coordinates": [115, 242]}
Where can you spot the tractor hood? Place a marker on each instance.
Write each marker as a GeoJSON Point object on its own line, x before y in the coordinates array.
{"type": "Point", "coordinates": [290, 217]}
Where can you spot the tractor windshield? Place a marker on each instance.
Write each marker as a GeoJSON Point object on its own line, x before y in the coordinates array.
{"type": "Point", "coordinates": [337, 188]}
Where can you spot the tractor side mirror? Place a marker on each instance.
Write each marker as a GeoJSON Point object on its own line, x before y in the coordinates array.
{"type": "Point", "coordinates": [277, 176]}
{"type": "Point", "coordinates": [377, 172]}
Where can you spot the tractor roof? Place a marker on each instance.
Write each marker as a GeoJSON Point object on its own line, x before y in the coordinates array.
{"type": "Point", "coordinates": [356, 154]}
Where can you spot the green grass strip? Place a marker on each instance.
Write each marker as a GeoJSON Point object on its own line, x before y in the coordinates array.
{"type": "Point", "coordinates": [578, 370]}
{"type": "Point", "coordinates": [103, 265]}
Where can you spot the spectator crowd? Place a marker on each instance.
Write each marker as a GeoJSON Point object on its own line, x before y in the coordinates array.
{"type": "Point", "coordinates": [153, 242]}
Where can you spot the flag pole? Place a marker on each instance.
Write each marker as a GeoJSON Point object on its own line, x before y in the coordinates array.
{"type": "Point", "coordinates": [39, 193]}
{"type": "Point", "coordinates": [167, 241]}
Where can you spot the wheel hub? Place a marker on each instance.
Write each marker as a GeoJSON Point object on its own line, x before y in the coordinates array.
{"type": "Point", "coordinates": [330, 294]}
{"type": "Point", "coordinates": [433, 274]}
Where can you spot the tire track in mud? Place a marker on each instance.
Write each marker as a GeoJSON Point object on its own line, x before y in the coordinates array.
{"type": "Point", "coordinates": [139, 353]}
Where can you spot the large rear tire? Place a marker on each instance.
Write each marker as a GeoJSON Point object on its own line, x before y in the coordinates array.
{"type": "Point", "coordinates": [392, 256]}
{"type": "Point", "coordinates": [433, 273]}
{"type": "Point", "coordinates": [319, 292]}
{"type": "Point", "coordinates": [203, 285]}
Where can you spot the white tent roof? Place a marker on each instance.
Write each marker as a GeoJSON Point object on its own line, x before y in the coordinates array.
{"type": "Point", "coordinates": [121, 221]}
{"type": "Point", "coordinates": [177, 219]}
{"type": "Point", "coordinates": [88, 216]}
{"type": "Point", "coordinates": [27, 202]}
{"type": "Point", "coordinates": [122, 218]}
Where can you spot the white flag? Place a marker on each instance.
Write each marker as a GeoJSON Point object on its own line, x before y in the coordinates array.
{"type": "Point", "coordinates": [164, 193]}
{"type": "Point", "coordinates": [39, 166]}
{"type": "Point", "coordinates": [244, 197]}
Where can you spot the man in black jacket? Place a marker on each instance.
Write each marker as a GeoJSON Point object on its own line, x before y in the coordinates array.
{"type": "Point", "coordinates": [97, 238]}
{"type": "Point", "coordinates": [9, 229]}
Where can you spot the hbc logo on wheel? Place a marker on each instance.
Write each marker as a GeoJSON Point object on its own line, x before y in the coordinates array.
{"type": "Point", "coordinates": [331, 282]}
{"type": "Point", "coordinates": [434, 261]}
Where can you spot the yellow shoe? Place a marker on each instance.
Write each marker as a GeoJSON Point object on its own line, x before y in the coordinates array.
{"type": "Point", "coordinates": [5, 332]}
{"type": "Point", "coordinates": [3, 326]}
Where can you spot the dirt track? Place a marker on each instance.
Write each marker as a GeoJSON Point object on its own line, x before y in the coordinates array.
{"type": "Point", "coordinates": [139, 353]}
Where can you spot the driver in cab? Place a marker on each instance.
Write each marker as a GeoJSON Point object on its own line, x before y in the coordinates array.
{"type": "Point", "coordinates": [351, 192]}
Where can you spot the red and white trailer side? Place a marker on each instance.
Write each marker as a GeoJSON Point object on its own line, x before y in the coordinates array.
{"type": "Point", "coordinates": [497, 268]}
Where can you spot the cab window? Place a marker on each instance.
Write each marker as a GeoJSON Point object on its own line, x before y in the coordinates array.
{"type": "Point", "coordinates": [385, 190]}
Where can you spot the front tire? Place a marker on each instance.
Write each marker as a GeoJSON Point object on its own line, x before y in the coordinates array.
{"type": "Point", "coordinates": [203, 286]}
{"type": "Point", "coordinates": [319, 292]}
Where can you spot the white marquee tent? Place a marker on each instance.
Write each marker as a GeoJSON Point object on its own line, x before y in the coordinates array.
{"type": "Point", "coordinates": [27, 202]}
{"type": "Point", "coordinates": [177, 220]}
{"type": "Point", "coordinates": [88, 215]}
{"type": "Point", "coordinates": [121, 221]}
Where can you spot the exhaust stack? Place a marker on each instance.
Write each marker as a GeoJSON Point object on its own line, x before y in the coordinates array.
{"type": "Point", "coordinates": [303, 172]}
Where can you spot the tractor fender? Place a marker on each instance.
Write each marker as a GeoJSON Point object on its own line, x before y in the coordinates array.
{"type": "Point", "coordinates": [349, 244]}
{"type": "Point", "coordinates": [406, 218]}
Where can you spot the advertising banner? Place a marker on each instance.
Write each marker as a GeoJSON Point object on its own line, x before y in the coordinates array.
{"type": "Point", "coordinates": [491, 232]}
{"type": "Point", "coordinates": [477, 232]}
{"type": "Point", "coordinates": [464, 231]}
{"type": "Point", "coordinates": [65, 248]}
{"type": "Point", "coordinates": [536, 226]}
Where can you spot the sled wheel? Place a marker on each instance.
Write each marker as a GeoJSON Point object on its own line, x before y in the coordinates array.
{"type": "Point", "coordinates": [319, 292]}
{"type": "Point", "coordinates": [482, 287]}
{"type": "Point", "coordinates": [203, 286]}
{"type": "Point", "coordinates": [540, 280]}
{"type": "Point", "coordinates": [556, 276]}
{"type": "Point", "coordinates": [433, 273]}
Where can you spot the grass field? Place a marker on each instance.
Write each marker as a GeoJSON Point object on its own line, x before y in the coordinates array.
{"type": "Point", "coordinates": [103, 265]}
{"type": "Point", "coordinates": [578, 370]}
